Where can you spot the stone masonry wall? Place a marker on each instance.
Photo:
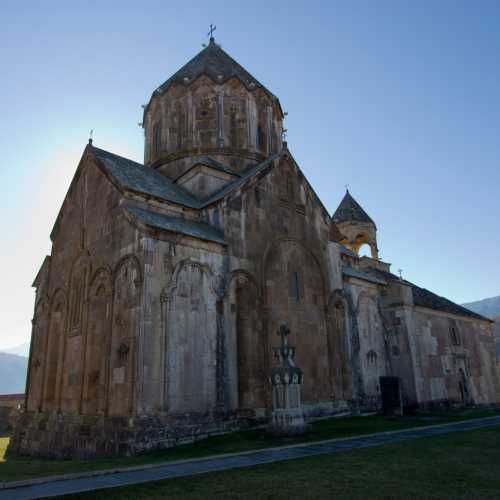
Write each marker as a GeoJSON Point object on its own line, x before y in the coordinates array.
{"type": "Point", "coordinates": [80, 436]}
{"type": "Point", "coordinates": [85, 337]}
{"type": "Point", "coordinates": [454, 359]}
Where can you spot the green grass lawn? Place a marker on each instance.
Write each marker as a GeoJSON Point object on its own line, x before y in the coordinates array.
{"type": "Point", "coordinates": [462, 465]}
{"type": "Point", "coordinates": [16, 468]}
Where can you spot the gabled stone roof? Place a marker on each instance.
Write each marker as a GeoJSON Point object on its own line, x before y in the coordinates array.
{"type": "Point", "coordinates": [215, 63]}
{"type": "Point", "coordinates": [350, 210]}
{"type": "Point", "coordinates": [195, 229]}
{"type": "Point", "coordinates": [247, 174]}
{"type": "Point", "coordinates": [425, 298]}
{"type": "Point", "coordinates": [362, 274]}
{"type": "Point", "coordinates": [142, 179]}
{"type": "Point", "coordinates": [145, 180]}
{"type": "Point", "coordinates": [209, 162]}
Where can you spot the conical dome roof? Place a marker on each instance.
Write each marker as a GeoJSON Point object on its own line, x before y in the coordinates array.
{"type": "Point", "coordinates": [219, 66]}
{"type": "Point", "coordinates": [350, 210]}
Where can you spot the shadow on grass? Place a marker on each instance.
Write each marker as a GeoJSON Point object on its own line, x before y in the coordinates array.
{"type": "Point", "coordinates": [14, 468]}
{"type": "Point", "coordinates": [455, 466]}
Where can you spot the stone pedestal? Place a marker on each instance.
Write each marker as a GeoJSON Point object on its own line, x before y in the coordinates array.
{"type": "Point", "coordinates": [287, 417]}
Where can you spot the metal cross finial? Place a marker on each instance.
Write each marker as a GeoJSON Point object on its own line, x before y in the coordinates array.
{"type": "Point", "coordinates": [283, 332]}
{"type": "Point", "coordinates": [211, 32]}
{"type": "Point", "coordinates": [400, 271]}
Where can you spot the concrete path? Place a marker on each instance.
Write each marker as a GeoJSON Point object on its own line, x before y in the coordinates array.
{"type": "Point", "coordinates": [168, 470]}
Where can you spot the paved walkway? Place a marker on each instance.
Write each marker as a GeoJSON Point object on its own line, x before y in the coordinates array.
{"type": "Point", "coordinates": [168, 470]}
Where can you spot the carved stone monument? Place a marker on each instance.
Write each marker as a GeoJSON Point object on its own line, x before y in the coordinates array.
{"type": "Point", "coordinates": [286, 379]}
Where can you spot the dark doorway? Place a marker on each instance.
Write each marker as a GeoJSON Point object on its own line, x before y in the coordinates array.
{"type": "Point", "coordinates": [390, 388]}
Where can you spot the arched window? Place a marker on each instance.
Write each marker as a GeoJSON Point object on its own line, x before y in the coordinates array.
{"type": "Point", "coordinates": [261, 139]}
{"type": "Point", "coordinates": [157, 139]}
{"type": "Point", "coordinates": [365, 250]}
{"type": "Point", "coordinates": [371, 356]}
{"type": "Point", "coordinates": [296, 286]}
{"type": "Point", "coordinates": [455, 337]}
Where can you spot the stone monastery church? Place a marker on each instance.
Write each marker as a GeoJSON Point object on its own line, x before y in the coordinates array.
{"type": "Point", "coordinates": [157, 310]}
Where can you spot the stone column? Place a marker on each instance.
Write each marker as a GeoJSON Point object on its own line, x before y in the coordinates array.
{"type": "Point", "coordinates": [252, 125]}
{"type": "Point", "coordinates": [220, 119]}
{"type": "Point", "coordinates": [269, 121]}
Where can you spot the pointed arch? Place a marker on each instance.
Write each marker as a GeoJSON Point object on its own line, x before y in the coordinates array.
{"type": "Point", "coordinates": [39, 334]}
{"type": "Point", "coordinates": [98, 342]}
{"type": "Point", "coordinates": [338, 345]}
{"type": "Point", "coordinates": [102, 276]}
{"type": "Point", "coordinates": [275, 245]}
{"type": "Point", "coordinates": [372, 347]}
{"type": "Point", "coordinates": [131, 260]}
{"type": "Point", "coordinates": [191, 319]}
{"type": "Point", "coordinates": [294, 291]}
{"type": "Point", "coordinates": [247, 341]}
{"type": "Point", "coordinates": [126, 302]}
{"type": "Point", "coordinates": [73, 349]}
{"type": "Point", "coordinates": [55, 343]}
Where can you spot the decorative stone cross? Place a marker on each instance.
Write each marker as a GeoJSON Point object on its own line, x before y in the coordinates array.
{"type": "Point", "coordinates": [283, 332]}
{"type": "Point", "coordinates": [212, 29]}
{"type": "Point", "coordinates": [287, 417]}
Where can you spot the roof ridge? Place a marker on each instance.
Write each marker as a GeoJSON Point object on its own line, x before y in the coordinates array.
{"type": "Point", "coordinates": [428, 299]}
{"type": "Point", "coordinates": [209, 162]}
{"type": "Point", "coordinates": [142, 178]}
{"type": "Point", "coordinates": [246, 175]}
{"type": "Point", "coordinates": [193, 228]}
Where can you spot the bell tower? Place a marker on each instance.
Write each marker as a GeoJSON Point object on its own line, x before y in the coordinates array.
{"type": "Point", "coordinates": [356, 226]}
{"type": "Point", "coordinates": [211, 107]}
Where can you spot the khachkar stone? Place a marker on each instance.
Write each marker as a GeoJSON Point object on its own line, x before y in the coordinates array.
{"type": "Point", "coordinates": [286, 379]}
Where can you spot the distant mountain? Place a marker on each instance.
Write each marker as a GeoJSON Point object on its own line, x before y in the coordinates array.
{"type": "Point", "coordinates": [20, 350]}
{"type": "Point", "coordinates": [12, 373]}
{"type": "Point", "coordinates": [486, 307]}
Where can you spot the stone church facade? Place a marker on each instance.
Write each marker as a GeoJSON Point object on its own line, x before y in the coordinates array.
{"type": "Point", "coordinates": [157, 310]}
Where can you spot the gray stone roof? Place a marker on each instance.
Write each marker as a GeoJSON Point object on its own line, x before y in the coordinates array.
{"type": "Point", "coordinates": [210, 162]}
{"type": "Point", "coordinates": [195, 229]}
{"type": "Point", "coordinates": [142, 179]}
{"type": "Point", "coordinates": [350, 210]}
{"type": "Point", "coordinates": [213, 62]}
{"type": "Point", "coordinates": [363, 275]}
{"type": "Point", "coordinates": [247, 174]}
{"type": "Point", "coordinates": [425, 298]}
{"type": "Point", "coordinates": [346, 251]}
{"type": "Point", "coordinates": [145, 180]}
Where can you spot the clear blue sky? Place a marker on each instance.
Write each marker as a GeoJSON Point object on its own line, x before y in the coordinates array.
{"type": "Point", "coordinates": [398, 99]}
